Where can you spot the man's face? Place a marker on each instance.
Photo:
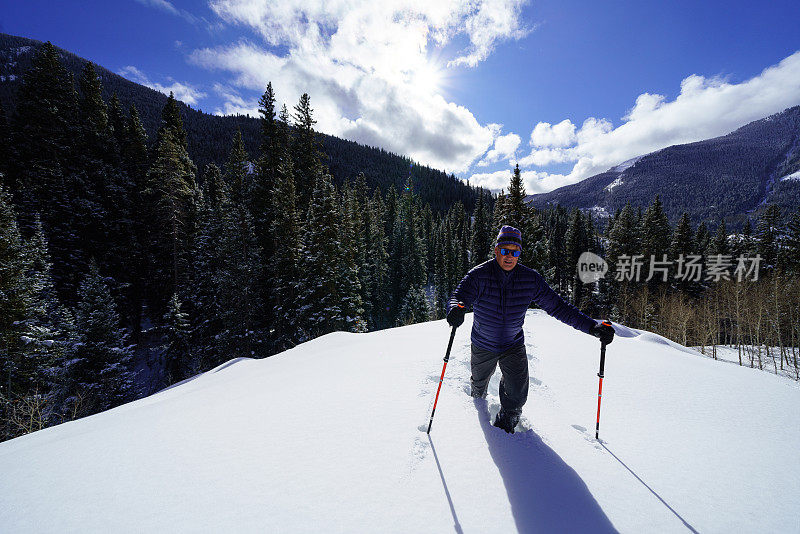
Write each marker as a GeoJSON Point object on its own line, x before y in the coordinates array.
{"type": "Point", "coordinates": [508, 261]}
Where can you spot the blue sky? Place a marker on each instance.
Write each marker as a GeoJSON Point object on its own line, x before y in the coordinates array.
{"type": "Point", "coordinates": [564, 88]}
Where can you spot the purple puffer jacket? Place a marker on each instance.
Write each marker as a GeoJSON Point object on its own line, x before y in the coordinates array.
{"type": "Point", "coordinates": [500, 299]}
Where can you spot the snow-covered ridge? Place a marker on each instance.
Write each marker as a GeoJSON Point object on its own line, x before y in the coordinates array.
{"type": "Point", "coordinates": [617, 181]}
{"type": "Point", "coordinates": [330, 436]}
{"type": "Point", "coordinates": [793, 176]}
{"type": "Point", "coordinates": [625, 165]}
{"type": "Point", "coordinates": [620, 170]}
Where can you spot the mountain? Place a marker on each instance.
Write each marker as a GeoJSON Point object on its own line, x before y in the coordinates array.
{"type": "Point", "coordinates": [732, 177]}
{"type": "Point", "coordinates": [210, 136]}
{"type": "Point", "coordinates": [330, 437]}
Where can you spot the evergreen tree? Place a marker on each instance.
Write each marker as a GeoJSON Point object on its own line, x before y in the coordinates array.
{"type": "Point", "coordinates": [215, 191]}
{"type": "Point", "coordinates": [683, 246]}
{"type": "Point", "coordinates": [517, 211]}
{"type": "Point", "coordinates": [169, 196]}
{"type": "Point", "coordinates": [377, 272]}
{"type": "Point", "coordinates": [655, 237]}
{"type": "Point", "coordinates": [15, 302]}
{"type": "Point", "coordinates": [624, 244]}
{"type": "Point", "coordinates": [106, 221]}
{"type": "Point", "coordinates": [352, 305]}
{"type": "Point", "coordinates": [320, 309]}
{"type": "Point", "coordinates": [236, 171]}
{"type": "Point", "coordinates": [481, 241]}
{"type": "Point", "coordinates": [134, 149]}
{"type": "Point", "coordinates": [176, 343]}
{"type": "Point", "coordinates": [426, 223]}
{"type": "Point", "coordinates": [625, 238]}
{"type": "Point", "coordinates": [361, 216]}
{"type": "Point", "coordinates": [767, 233]}
{"type": "Point", "coordinates": [577, 242]}
{"type": "Point", "coordinates": [42, 164]}
{"type": "Point", "coordinates": [459, 243]}
{"type": "Point", "coordinates": [5, 147]}
{"type": "Point", "coordinates": [134, 155]}
{"type": "Point", "coordinates": [305, 151]}
{"type": "Point", "coordinates": [719, 244]}
{"type": "Point", "coordinates": [793, 243]}
{"type": "Point", "coordinates": [117, 122]}
{"type": "Point", "coordinates": [500, 216]}
{"type": "Point", "coordinates": [390, 213]}
{"type": "Point", "coordinates": [240, 305]}
{"type": "Point", "coordinates": [270, 157]}
{"type": "Point", "coordinates": [407, 257]}
{"type": "Point", "coordinates": [204, 307]}
{"type": "Point", "coordinates": [702, 238]}
{"type": "Point", "coordinates": [745, 244]}
{"type": "Point", "coordinates": [49, 326]}
{"type": "Point", "coordinates": [238, 292]}
{"type": "Point", "coordinates": [535, 246]}
{"type": "Point", "coordinates": [93, 111]}
{"type": "Point", "coordinates": [415, 307]}
{"type": "Point", "coordinates": [284, 272]}
{"type": "Point", "coordinates": [171, 120]}
{"type": "Point", "coordinates": [555, 230]}
{"type": "Point", "coordinates": [99, 370]}
{"type": "Point", "coordinates": [36, 332]}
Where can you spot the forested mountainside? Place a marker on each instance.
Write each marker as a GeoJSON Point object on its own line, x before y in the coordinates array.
{"type": "Point", "coordinates": [209, 135]}
{"type": "Point", "coordinates": [731, 178]}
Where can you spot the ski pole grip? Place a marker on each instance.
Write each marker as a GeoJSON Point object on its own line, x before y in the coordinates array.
{"type": "Point", "coordinates": [450, 344]}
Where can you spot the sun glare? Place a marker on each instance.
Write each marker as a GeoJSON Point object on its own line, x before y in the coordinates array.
{"type": "Point", "coordinates": [429, 77]}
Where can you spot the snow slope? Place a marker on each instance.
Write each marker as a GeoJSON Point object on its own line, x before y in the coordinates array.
{"type": "Point", "coordinates": [330, 437]}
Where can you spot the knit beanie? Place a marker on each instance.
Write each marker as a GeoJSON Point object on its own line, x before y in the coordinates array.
{"type": "Point", "coordinates": [509, 236]}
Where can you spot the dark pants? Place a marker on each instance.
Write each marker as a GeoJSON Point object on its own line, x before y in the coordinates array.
{"type": "Point", "coordinates": [513, 384]}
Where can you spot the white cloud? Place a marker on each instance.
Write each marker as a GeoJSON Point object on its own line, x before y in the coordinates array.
{"type": "Point", "coordinates": [541, 157]}
{"type": "Point", "coordinates": [505, 146]}
{"type": "Point", "coordinates": [368, 67]}
{"type": "Point", "coordinates": [534, 181]}
{"type": "Point", "coordinates": [234, 103]}
{"type": "Point", "coordinates": [494, 181]}
{"type": "Point", "coordinates": [547, 135]}
{"type": "Point", "coordinates": [183, 91]}
{"type": "Point", "coordinates": [705, 108]}
{"type": "Point", "coordinates": [168, 7]}
{"type": "Point", "coordinates": [493, 21]}
{"type": "Point", "coordinates": [542, 182]}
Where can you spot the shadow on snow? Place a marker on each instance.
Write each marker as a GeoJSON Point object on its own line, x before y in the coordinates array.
{"type": "Point", "coordinates": [546, 494]}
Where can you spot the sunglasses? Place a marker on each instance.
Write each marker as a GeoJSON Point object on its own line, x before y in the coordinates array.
{"type": "Point", "coordinates": [507, 251]}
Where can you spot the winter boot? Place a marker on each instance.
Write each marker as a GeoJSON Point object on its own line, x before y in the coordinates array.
{"type": "Point", "coordinates": [506, 421]}
{"type": "Point", "coordinates": [477, 393]}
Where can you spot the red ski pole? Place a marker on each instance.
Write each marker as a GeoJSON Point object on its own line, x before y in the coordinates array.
{"type": "Point", "coordinates": [441, 378]}
{"type": "Point", "coordinates": [600, 390]}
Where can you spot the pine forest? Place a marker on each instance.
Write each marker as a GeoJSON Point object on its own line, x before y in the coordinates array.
{"type": "Point", "coordinates": [125, 267]}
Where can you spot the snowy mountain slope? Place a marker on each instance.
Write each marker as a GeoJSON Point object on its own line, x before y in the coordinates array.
{"type": "Point", "coordinates": [330, 436]}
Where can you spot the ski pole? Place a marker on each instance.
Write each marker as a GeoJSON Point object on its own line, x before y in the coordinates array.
{"type": "Point", "coordinates": [600, 391]}
{"type": "Point", "coordinates": [441, 378]}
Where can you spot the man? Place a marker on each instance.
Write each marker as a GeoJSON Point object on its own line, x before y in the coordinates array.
{"type": "Point", "coordinates": [500, 291]}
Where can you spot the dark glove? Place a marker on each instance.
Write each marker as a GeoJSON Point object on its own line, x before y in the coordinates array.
{"type": "Point", "coordinates": [455, 317]}
{"type": "Point", "coordinates": [604, 331]}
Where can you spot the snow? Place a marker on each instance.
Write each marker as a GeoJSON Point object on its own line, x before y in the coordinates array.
{"type": "Point", "coordinates": [793, 176]}
{"type": "Point", "coordinates": [770, 358]}
{"type": "Point", "coordinates": [617, 181]}
{"type": "Point", "coordinates": [625, 165]}
{"type": "Point", "coordinates": [599, 211]}
{"type": "Point", "coordinates": [330, 437]}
